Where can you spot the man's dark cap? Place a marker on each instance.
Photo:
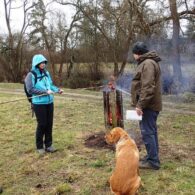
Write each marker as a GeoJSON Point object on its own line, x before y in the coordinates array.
{"type": "Point", "coordinates": [139, 48]}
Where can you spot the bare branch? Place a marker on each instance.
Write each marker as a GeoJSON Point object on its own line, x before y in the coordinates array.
{"type": "Point", "coordinates": [182, 14]}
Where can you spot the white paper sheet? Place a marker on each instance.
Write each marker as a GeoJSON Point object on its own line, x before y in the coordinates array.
{"type": "Point", "coordinates": [132, 115]}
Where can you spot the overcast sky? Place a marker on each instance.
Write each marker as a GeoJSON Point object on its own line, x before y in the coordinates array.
{"type": "Point", "coordinates": [17, 15]}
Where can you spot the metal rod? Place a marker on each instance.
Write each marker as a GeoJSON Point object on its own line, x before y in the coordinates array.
{"type": "Point", "coordinates": [22, 99]}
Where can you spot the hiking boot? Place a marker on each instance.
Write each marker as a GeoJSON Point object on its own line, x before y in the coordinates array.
{"type": "Point", "coordinates": [147, 165]}
{"type": "Point", "coordinates": [50, 149]}
{"type": "Point", "coordinates": [41, 151]}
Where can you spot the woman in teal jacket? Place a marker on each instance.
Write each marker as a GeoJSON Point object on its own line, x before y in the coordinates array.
{"type": "Point", "coordinates": [40, 83]}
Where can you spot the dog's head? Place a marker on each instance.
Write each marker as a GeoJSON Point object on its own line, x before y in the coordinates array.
{"type": "Point", "coordinates": [114, 135]}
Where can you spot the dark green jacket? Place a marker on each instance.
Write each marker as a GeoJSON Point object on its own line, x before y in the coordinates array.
{"type": "Point", "coordinates": [146, 84]}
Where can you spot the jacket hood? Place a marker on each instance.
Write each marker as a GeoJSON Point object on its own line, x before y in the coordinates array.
{"type": "Point", "coordinates": [37, 59]}
{"type": "Point", "coordinates": [150, 55]}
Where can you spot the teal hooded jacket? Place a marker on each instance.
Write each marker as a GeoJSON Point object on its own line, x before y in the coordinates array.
{"type": "Point", "coordinates": [43, 84]}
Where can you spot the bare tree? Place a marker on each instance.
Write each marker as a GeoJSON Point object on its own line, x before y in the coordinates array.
{"type": "Point", "coordinates": [12, 57]}
{"type": "Point", "coordinates": [175, 45]}
{"type": "Point", "coordinates": [38, 21]}
{"type": "Point", "coordinates": [120, 16]}
{"type": "Point", "coordinates": [101, 30]}
{"type": "Point", "coordinates": [175, 16]}
{"type": "Point", "coordinates": [62, 36]}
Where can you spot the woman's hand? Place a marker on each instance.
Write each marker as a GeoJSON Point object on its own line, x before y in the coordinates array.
{"type": "Point", "coordinates": [60, 91]}
{"type": "Point", "coordinates": [49, 92]}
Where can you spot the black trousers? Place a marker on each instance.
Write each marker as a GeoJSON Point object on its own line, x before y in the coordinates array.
{"type": "Point", "coordinates": [44, 116]}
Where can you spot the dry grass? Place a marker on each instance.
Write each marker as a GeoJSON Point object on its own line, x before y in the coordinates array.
{"type": "Point", "coordinates": [76, 169]}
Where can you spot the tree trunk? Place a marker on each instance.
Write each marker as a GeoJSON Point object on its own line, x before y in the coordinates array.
{"type": "Point", "coordinates": [177, 75]}
{"type": "Point", "coordinates": [70, 67]}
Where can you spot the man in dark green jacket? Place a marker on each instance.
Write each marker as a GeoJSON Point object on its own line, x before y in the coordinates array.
{"type": "Point", "coordinates": [146, 98]}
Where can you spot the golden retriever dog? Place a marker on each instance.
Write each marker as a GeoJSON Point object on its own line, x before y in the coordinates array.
{"type": "Point", "coordinates": [125, 179]}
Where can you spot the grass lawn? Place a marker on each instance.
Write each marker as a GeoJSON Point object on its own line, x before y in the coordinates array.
{"type": "Point", "coordinates": [76, 169]}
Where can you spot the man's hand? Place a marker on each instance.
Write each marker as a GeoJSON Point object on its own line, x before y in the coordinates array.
{"type": "Point", "coordinates": [49, 92]}
{"type": "Point", "coordinates": [139, 111]}
{"type": "Point", "coordinates": [60, 91]}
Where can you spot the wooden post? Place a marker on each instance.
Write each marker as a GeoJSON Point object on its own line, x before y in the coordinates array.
{"type": "Point", "coordinates": [113, 108]}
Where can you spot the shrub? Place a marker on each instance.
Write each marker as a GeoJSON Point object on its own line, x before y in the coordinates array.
{"type": "Point", "coordinates": [81, 77]}
{"type": "Point", "coordinates": [188, 97]}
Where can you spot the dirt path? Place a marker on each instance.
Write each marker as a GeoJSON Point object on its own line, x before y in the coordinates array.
{"type": "Point", "coordinates": [167, 106]}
